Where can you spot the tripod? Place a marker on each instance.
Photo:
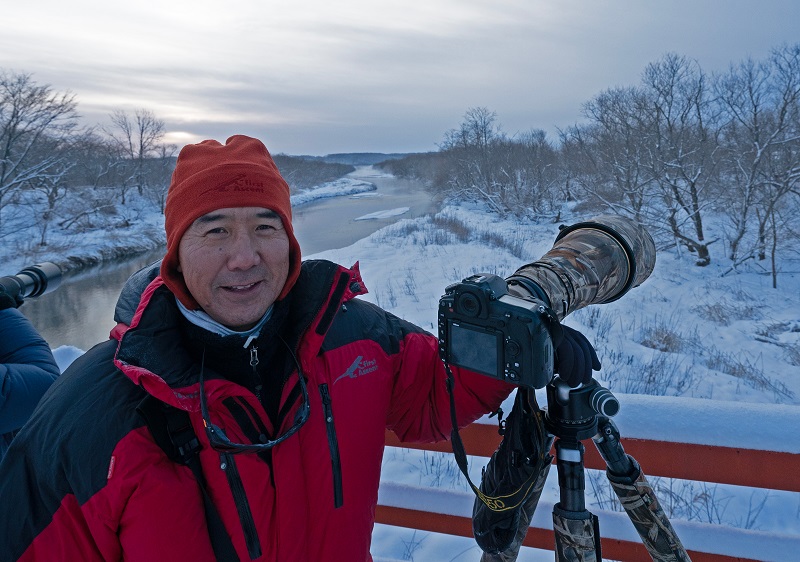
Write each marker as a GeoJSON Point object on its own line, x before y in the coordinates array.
{"type": "Point", "coordinates": [573, 415]}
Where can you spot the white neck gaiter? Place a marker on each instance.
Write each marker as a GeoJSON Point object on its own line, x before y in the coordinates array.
{"type": "Point", "coordinates": [203, 320]}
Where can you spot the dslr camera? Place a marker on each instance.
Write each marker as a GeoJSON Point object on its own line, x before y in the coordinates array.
{"type": "Point", "coordinates": [485, 329]}
{"type": "Point", "coordinates": [507, 335]}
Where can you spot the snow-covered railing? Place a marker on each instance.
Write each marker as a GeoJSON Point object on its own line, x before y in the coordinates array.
{"type": "Point", "coordinates": [753, 445]}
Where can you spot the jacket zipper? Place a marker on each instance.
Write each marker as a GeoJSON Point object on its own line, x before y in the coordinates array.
{"type": "Point", "coordinates": [258, 385]}
{"type": "Point", "coordinates": [333, 445]}
{"type": "Point", "coordinates": [228, 464]}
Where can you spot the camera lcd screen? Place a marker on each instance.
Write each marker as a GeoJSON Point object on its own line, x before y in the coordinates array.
{"type": "Point", "coordinates": [474, 348]}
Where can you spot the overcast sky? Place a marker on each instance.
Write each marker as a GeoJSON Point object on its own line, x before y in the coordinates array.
{"type": "Point", "coordinates": [322, 76]}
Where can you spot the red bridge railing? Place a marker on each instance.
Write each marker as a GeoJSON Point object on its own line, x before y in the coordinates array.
{"type": "Point", "coordinates": [751, 465]}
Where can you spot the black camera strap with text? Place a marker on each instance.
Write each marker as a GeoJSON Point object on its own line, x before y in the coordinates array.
{"type": "Point", "coordinates": [523, 445]}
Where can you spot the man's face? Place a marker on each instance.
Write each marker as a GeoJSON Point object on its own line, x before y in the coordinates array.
{"type": "Point", "coordinates": [235, 263]}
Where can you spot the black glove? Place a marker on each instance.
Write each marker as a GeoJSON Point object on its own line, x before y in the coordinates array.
{"type": "Point", "coordinates": [7, 301]}
{"type": "Point", "coordinates": [575, 358]}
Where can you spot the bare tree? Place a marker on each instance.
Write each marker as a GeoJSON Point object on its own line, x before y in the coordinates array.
{"type": "Point", "coordinates": [54, 190]}
{"type": "Point", "coordinates": [615, 148]}
{"type": "Point", "coordinates": [683, 147]}
{"type": "Point", "coordinates": [478, 129]}
{"type": "Point", "coordinates": [783, 171]}
{"type": "Point", "coordinates": [512, 175]}
{"type": "Point", "coordinates": [96, 160]}
{"type": "Point", "coordinates": [31, 117]}
{"type": "Point", "coordinates": [531, 170]}
{"type": "Point", "coordinates": [137, 140]}
{"type": "Point", "coordinates": [470, 149]}
{"type": "Point", "coordinates": [761, 101]}
{"type": "Point", "coordinates": [159, 173]}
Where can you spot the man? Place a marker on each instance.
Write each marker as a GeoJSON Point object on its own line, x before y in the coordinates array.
{"type": "Point", "coordinates": [283, 378]}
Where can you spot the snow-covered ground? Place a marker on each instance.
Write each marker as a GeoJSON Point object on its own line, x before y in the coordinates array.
{"type": "Point", "coordinates": [337, 188]}
{"type": "Point", "coordinates": [699, 334]}
{"type": "Point", "coordinates": [702, 337]}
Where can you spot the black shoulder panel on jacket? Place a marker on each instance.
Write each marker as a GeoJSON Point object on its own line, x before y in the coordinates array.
{"type": "Point", "coordinates": [132, 291]}
{"type": "Point", "coordinates": [309, 295]}
{"type": "Point", "coordinates": [361, 320]}
{"type": "Point", "coordinates": [66, 446]}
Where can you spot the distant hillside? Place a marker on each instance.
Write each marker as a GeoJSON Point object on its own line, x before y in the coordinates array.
{"type": "Point", "coordinates": [304, 173]}
{"type": "Point", "coordinates": [356, 158]}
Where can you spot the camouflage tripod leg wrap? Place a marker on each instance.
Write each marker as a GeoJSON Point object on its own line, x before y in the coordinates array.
{"type": "Point", "coordinates": [577, 539]}
{"type": "Point", "coordinates": [526, 514]}
{"type": "Point", "coordinates": [645, 512]}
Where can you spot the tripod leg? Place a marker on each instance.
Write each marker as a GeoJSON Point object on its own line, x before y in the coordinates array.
{"type": "Point", "coordinates": [637, 497]}
{"type": "Point", "coordinates": [576, 529]}
{"type": "Point", "coordinates": [577, 539]}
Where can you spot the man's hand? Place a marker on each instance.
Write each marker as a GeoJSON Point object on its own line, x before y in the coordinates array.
{"type": "Point", "coordinates": [575, 358]}
{"type": "Point", "coordinates": [7, 301]}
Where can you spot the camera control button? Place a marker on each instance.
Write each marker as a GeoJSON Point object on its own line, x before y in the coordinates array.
{"type": "Point", "coordinates": [512, 348]}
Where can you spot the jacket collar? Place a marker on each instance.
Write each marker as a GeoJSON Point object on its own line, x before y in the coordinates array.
{"type": "Point", "coordinates": [151, 352]}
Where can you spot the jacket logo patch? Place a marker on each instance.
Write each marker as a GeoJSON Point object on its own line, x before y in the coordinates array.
{"type": "Point", "coordinates": [111, 467]}
{"type": "Point", "coordinates": [359, 368]}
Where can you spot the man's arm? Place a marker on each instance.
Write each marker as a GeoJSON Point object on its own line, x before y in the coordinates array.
{"type": "Point", "coordinates": [420, 401]}
{"type": "Point", "coordinates": [27, 369]}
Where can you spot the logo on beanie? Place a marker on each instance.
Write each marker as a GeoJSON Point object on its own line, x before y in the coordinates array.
{"type": "Point", "coordinates": [240, 182]}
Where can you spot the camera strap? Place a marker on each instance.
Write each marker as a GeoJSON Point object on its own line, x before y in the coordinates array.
{"type": "Point", "coordinates": [520, 457]}
{"type": "Point", "coordinates": [172, 431]}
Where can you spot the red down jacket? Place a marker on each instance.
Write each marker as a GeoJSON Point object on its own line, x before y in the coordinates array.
{"type": "Point", "coordinates": [85, 480]}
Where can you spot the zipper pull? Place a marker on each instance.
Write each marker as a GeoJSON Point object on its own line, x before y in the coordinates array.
{"type": "Point", "coordinates": [326, 402]}
{"type": "Point", "coordinates": [254, 357]}
{"type": "Point", "coordinates": [256, 377]}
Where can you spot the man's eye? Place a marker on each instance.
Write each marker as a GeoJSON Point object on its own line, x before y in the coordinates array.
{"type": "Point", "coordinates": [218, 230]}
{"type": "Point", "coordinates": [267, 227]}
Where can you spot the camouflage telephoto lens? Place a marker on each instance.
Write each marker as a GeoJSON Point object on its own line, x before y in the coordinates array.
{"type": "Point", "coordinates": [591, 262]}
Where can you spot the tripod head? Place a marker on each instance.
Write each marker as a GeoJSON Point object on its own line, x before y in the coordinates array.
{"type": "Point", "coordinates": [571, 413]}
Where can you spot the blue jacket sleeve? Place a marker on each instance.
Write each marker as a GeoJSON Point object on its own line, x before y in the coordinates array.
{"type": "Point", "coordinates": [27, 369]}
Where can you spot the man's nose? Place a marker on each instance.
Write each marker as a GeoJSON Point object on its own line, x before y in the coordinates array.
{"type": "Point", "coordinates": [242, 252]}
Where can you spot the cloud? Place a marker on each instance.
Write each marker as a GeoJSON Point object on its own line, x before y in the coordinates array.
{"type": "Point", "coordinates": [356, 75]}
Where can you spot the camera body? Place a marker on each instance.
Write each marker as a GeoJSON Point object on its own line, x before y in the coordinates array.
{"type": "Point", "coordinates": [485, 329]}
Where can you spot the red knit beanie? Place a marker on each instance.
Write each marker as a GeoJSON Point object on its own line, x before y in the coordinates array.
{"type": "Point", "coordinates": [210, 176]}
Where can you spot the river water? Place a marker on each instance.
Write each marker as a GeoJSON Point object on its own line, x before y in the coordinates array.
{"type": "Point", "coordinates": [80, 312]}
